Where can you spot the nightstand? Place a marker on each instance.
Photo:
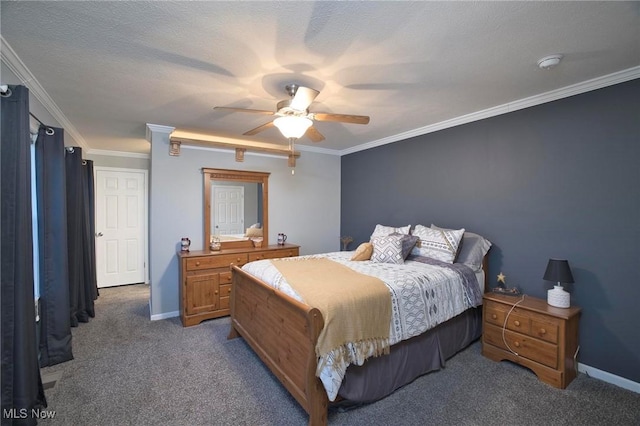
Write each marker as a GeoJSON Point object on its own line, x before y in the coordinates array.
{"type": "Point", "coordinates": [538, 336]}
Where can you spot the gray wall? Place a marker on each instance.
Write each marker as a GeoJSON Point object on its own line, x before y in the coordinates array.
{"type": "Point", "coordinates": [305, 206]}
{"type": "Point", "coordinates": [555, 180]}
{"type": "Point", "coordinates": [120, 161]}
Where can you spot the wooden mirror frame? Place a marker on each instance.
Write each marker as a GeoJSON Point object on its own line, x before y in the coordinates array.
{"type": "Point", "coordinates": [235, 176]}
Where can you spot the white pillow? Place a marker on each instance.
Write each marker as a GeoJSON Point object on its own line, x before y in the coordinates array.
{"type": "Point", "coordinates": [382, 230]}
{"type": "Point", "coordinates": [439, 244]}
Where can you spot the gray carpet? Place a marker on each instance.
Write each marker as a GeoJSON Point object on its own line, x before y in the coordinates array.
{"type": "Point", "coordinates": [129, 370]}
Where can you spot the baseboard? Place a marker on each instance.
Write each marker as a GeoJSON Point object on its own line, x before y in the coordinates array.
{"type": "Point", "coordinates": [609, 378]}
{"type": "Point", "coordinates": [165, 315]}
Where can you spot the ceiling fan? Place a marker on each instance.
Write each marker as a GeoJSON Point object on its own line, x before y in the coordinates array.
{"type": "Point", "coordinates": [293, 118]}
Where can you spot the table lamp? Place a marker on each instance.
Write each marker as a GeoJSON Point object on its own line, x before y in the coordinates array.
{"type": "Point", "coordinates": [558, 271]}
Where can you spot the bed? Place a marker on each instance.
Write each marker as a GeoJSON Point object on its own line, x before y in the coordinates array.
{"type": "Point", "coordinates": [285, 332]}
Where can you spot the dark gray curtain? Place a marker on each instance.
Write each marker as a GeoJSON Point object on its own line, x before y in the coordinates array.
{"type": "Point", "coordinates": [21, 382]}
{"type": "Point", "coordinates": [81, 286]}
{"type": "Point", "coordinates": [55, 325]}
{"type": "Point", "coordinates": [89, 240]}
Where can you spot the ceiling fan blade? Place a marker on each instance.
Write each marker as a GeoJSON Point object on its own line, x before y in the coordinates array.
{"type": "Point", "coordinates": [313, 134]}
{"type": "Point", "coordinates": [255, 111]}
{"type": "Point", "coordinates": [303, 98]}
{"type": "Point", "coordinates": [342, 118]}
{"type": "Point", "coordinates": [259, 129]}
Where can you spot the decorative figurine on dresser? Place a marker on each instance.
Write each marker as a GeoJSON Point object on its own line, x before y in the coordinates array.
{"type": "Point", "coordinates": [205, 275]}
{"type": "Point", "coordinates": [533, 333]}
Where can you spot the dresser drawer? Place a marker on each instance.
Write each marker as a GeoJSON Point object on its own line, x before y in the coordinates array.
{"type": "Point", "coordinates": [272, 254]}
{"type": "Point", "coordinates": [225, 277]}
{"type": "Point", "coordinates": [222, 261]}
{"type": "Point", "coordinates": [225, 294]}
{"type": "Point", "coordinates": [525, 346]}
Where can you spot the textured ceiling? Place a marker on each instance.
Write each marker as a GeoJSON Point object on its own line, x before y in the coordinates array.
{"type": "Point", "coordinates": [112, 67]}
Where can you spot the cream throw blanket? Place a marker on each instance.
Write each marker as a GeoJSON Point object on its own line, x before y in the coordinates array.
{"type": "Point", "coordinates": [356, 308]}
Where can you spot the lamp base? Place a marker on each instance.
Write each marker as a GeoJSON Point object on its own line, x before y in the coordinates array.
{"type": "Point", "coordinates": [558, 297]}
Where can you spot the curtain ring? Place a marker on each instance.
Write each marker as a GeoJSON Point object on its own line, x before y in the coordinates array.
{"type": "Point", "coordinates": [6, 93]}
{"type": "Point", "coordinates": [50, 131]}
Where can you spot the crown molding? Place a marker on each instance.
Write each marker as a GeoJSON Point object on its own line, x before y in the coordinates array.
{"type": "Point", "coordinates": [15, 64]}
{"type": "Point", "coordinates": [565, 92]}
{"type": "Point", "coordinates": [118, 153]}
{"type": "Point", "coordinates": [157, 128]}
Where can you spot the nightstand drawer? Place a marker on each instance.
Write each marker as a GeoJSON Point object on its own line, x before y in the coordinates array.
{"type": "Point", "coordinates": [546, 329]}
{"type": "Point", "coordinates": [494, 314]}
{"type": "Point", "coordinates": [497, 312]}
{"type": "Point", "coordinates": [222, 261]}
{"type": "Point", "coordinates": [519, 323]}
{"type": "Point", "coordinates": [528, 347]}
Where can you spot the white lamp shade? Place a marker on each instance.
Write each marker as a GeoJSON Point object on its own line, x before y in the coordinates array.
{"type": "Point", "coordinates": [291, 126]}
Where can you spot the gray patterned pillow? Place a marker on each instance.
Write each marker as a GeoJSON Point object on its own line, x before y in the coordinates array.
{"type": "Point", "coordinates": [408, 243]}
{"type": "Point", "coordinates": [439, 244]}
{"type": "Point", "coordinates": [387, 249]}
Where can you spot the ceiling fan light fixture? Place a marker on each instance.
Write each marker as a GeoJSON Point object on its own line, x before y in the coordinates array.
{"type": "Point", "coordinates": [292, 126]}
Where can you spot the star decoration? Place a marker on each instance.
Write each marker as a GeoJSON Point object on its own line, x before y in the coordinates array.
{"type": "Point", "coordinates": [501, 278]}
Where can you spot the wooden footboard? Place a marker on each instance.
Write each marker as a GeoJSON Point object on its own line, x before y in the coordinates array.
{"type": "Point", "coordinates": [283, 332]}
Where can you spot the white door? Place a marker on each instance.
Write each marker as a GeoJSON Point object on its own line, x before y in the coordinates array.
{"type": "Point", "coordinates": [120, 226]}
{"type": "Point", "coordinates": [228, 210]}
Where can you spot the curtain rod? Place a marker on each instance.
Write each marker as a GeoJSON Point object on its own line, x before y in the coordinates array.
{"type": "Point", "coordinates": [6, 91]}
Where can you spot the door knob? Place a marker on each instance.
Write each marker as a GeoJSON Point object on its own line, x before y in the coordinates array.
{"type": "Point", "coordinates": [99, 234]}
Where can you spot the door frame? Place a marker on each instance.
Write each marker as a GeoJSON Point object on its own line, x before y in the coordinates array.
{"type": "Point", "coordinates": [145, 207]}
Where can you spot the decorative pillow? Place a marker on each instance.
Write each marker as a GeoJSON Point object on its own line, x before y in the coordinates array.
{"type": "Point", "coordinates": [473, 249]}
{"type": "Point", "coordinates": [363, 252]}
{"type": "Point", "coordinates": [439, 244]}
{"type": "Point", "coordinates": [387, 249]}
{"type": "Point", "coordinates": [253, 232]}
{"type": "Point", "coordinates": [408, 243]}
{"type": "Point", "coordinates": [382, 230]}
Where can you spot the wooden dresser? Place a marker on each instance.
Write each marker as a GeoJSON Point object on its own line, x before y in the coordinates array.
{"type": "Point", "coordinates": [540, 337]}
{"type": "Point", "coordinates": [205, 278]}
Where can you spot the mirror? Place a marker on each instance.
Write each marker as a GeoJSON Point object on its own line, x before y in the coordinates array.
{"type": "Point", "coordinates": [233, 201]}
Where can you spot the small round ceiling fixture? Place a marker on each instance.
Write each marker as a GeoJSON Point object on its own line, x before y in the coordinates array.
{"type": "Point", "coordinates": [549, 61]}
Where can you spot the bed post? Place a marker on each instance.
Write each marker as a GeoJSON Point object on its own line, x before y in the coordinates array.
{"type": "Point", "coordinates": [283, 333]}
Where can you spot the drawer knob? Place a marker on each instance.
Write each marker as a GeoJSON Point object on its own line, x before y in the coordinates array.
{"type": "Point", "coordinates": [238, 259]}
{"type": "Point", "coordinates": [517, 323]}
{"type": "Point", "coordinates": [517, 344]}
{"type": "Point", "coordinates": [215, 292]}
{"type": "Point", "coordinates": [543, 331]}
{"type": "Point", "coordinates": [197, 263]}
{"type": "Point", "coordinates": [494, 316]}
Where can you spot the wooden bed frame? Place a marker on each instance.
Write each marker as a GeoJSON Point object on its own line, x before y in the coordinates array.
{"type": "Point", "coordinates": [283, 333]}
